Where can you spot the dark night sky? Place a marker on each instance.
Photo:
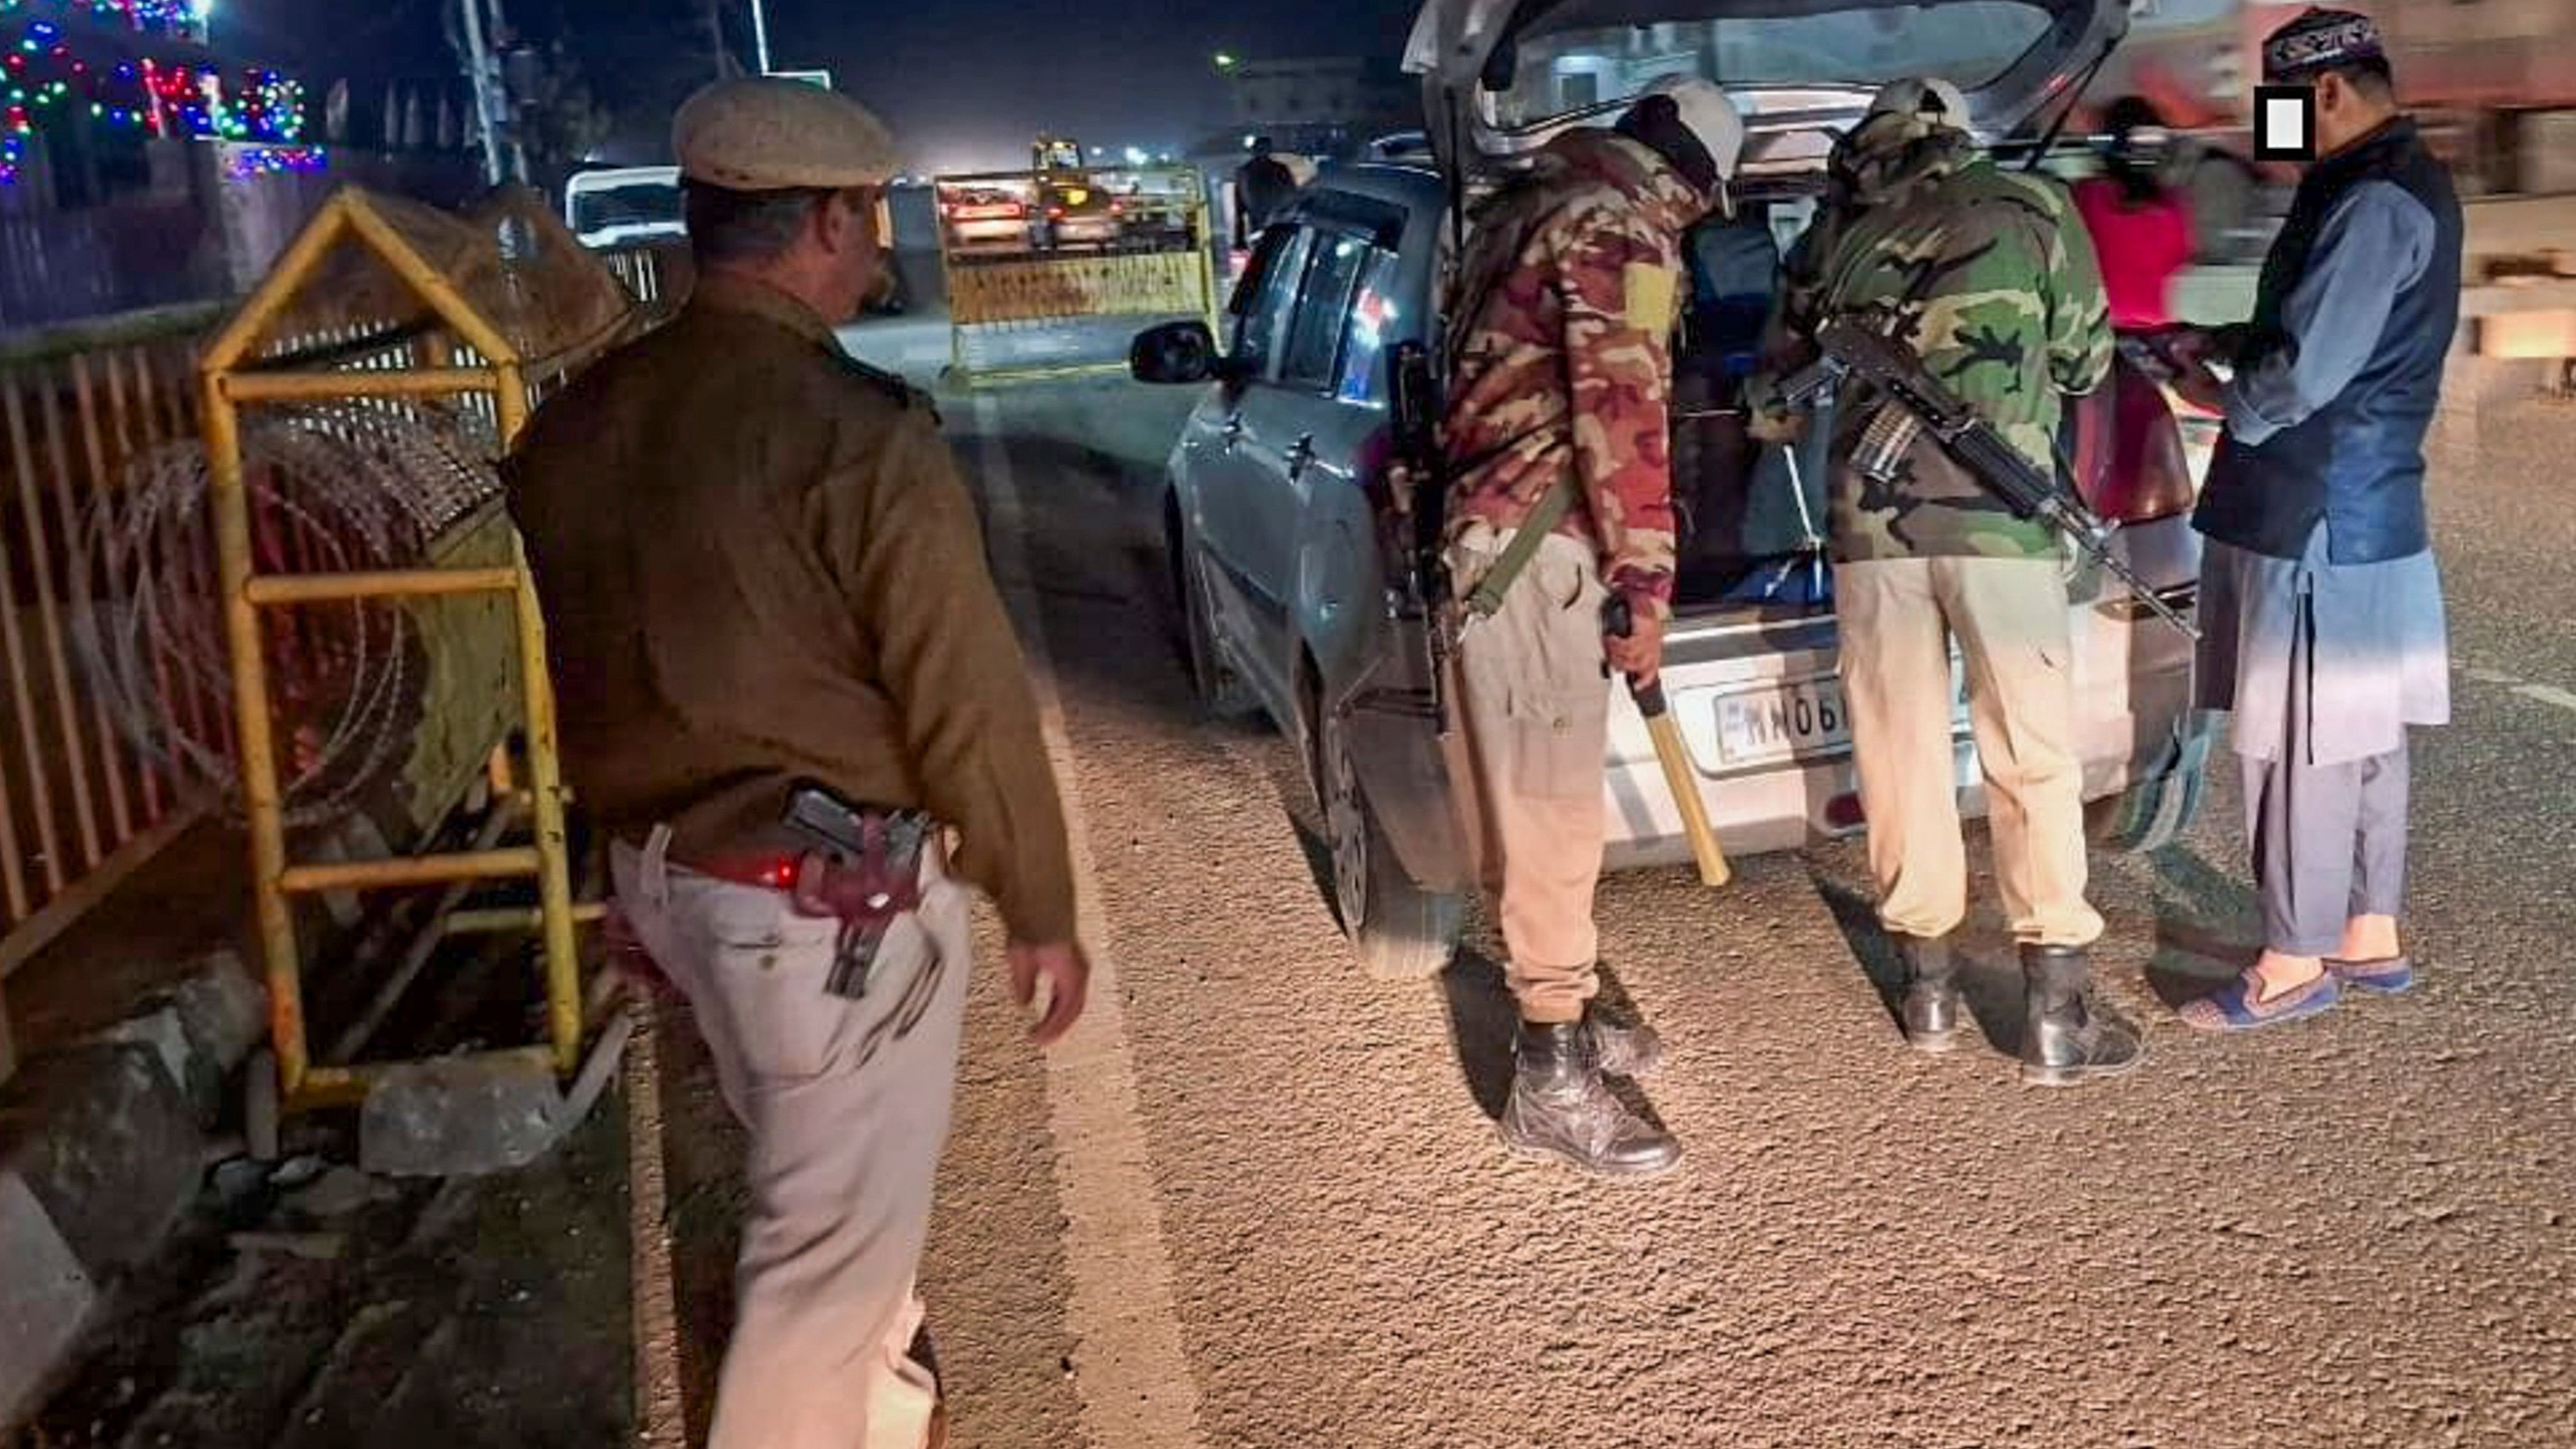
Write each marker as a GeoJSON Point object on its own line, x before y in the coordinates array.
{"type": "Point", "coordinates": [965, 83]}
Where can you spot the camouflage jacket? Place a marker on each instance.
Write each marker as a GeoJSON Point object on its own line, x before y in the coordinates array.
{"type": "Point", "coordinates": [1990, 276]}
{"type": "Point", "coordinates": [1561, 321]}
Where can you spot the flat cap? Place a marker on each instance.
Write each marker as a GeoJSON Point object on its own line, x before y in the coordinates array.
{"type": "Point", "coordinates": [1932, 102]}
{"type": "Point", "coordinates": [765, 133]}
{"type": "Point", "coordinates": [2319, 40]}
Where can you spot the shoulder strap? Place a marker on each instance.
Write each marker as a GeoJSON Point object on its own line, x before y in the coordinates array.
{"type": "Point", "coordinates": [1487, 596]}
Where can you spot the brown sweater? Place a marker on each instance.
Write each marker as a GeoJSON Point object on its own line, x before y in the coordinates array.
{"type": "Point", "coordinates": [757, 563]}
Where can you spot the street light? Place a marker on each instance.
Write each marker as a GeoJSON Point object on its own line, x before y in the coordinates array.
{"type": "Point", "coordinates": [1225, 60]}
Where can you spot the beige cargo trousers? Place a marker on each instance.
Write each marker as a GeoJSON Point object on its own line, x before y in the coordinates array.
{"type": "Point", "coordinates": [1532, 703]}
{"type": "Point", "coordinates": [847, 1106]}
{"type": "Point", "coordinates": [2010, 615]}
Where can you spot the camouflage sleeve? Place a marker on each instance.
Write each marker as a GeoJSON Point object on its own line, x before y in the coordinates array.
{"type": "Point", "coordinates": [1622, 294]}
{"type": "Point", "coordinates": [2080, 346]}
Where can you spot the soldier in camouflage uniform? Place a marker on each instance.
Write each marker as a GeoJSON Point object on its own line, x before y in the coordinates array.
{"type": "Point", "coordinates": [1559, 375]}
{"type": "Point", "coordinates": [1989, 275]}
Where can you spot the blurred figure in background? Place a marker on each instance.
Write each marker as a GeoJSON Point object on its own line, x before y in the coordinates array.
{"type": "Point", "coordinates": [2142, 228]}
{"type": "Point", "coordinates": [1262, 186]}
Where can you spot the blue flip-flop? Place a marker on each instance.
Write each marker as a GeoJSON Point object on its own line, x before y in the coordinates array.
{"type": "Point", "coordinates": [2238, 1006]}
{"type": "Point", "coordinates": [2384, 977]}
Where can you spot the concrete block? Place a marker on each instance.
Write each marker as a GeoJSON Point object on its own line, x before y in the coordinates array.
{"type": "Point", "coordinates": [109, 1145]}
{"type": "Point", "coordinates": [201, 1029]}
{"type": "Point", "coordinates": [45, 1300]}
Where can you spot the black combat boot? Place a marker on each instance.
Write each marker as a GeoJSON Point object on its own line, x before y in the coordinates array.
{"type": "Point", "coordinates": [1560, 1108]}
{"type": "Point", "coordinates": [1624, 1051]}
{"type": "Point", "coordinates": [1931, 993]}
{"type": "Point", "coordinates": [2071, 1036]}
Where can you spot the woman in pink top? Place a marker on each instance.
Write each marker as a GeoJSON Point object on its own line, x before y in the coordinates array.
{"type": "Point", "coordinates": [2141, 228]}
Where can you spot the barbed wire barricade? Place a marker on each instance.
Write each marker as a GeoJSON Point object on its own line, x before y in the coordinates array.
{"type": "Point", "coordinates": [355, 486]}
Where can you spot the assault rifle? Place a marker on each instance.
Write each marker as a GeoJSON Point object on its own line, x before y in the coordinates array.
{"type": "Point", "coordinates": [1895, 369]}
{"type": "Point", "coordinates": [1420, 495]}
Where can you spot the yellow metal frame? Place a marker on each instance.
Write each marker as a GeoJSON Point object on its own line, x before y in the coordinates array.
{"type": "Point", "coordinates": [1210, 299]}
{"type": "Point", "coordinates": [230, 378]}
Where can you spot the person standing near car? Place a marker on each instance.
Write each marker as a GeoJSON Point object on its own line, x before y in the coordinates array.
{"type": "Point", "coordinates": [1558, 445]}
{"type": "Point", "coordinates": [2141, 227]}
{"type": "Point", "coordinates": [1990, 277]}
{"type": "Point", "coordinates": [1262, 186]}
{"type": "Point", "coordinates": [759, 572]}
{"type": "Point", "coordinates": [2322, 605]}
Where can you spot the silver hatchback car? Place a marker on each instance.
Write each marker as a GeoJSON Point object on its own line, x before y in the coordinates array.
{"type": "Point", "coordinates": [1289, 552]}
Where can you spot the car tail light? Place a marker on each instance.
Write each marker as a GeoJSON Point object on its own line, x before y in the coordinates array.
{"type": "Point", "coordinates": [1843, 812]}
{"type": "Point", "coordinates": [1055, 213]}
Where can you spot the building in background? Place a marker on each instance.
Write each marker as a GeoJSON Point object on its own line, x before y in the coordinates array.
{"type": "Point", "coordinates": [1345, 102]}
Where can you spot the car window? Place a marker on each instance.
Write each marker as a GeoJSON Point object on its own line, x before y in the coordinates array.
{"type": "Point", "coordinates": [1372, 323]}
{"type": "Point", "coordinates": [1262, 309]}
{"type": "Point", "coordinates": [1324, 310]}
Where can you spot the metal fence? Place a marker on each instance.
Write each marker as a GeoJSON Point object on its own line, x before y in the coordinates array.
{"type": "Point", "coordinates": [87, 796]}
{"type": "Point", "coordinates": [79, 804]}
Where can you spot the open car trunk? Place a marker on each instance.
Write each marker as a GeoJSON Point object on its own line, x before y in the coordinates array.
{"type": "Point", "coordinates": [1502, 76]}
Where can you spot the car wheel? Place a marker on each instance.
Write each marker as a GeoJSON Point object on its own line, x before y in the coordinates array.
{"type": "Point", "coordinates": [2153, 814]}
{"type": "Point", "coordinates": [1400, 931]}
{"type": "Point", "coordinates": [1221, 691]}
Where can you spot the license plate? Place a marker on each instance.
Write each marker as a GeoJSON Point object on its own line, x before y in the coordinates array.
{"type": "Point", "coordinates": [1783, 723]}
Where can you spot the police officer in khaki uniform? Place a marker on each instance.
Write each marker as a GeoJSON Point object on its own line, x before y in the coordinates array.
{"type": "Point", "coordinates": [759, 567]}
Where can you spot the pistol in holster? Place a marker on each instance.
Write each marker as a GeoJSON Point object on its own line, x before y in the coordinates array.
{"type": "Point", "coordinates": [862, 866]}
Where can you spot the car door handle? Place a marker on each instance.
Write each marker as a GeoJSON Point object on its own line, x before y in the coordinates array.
{"type": "Point", "coordinates": [1301, 453]}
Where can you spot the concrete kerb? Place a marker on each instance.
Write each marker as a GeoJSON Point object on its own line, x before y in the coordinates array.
{"type": "Point", "coordinates": [102, 1147]}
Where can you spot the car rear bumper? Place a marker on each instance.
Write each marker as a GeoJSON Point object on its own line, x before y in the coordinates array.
{"type": "Point", "coordinates": [2133, 692]}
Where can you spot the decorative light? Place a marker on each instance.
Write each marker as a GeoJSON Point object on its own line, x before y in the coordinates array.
{"type": "Point", "coordinates": [52, 83]}
{"type": "Point", "coordinates": [246, 162]}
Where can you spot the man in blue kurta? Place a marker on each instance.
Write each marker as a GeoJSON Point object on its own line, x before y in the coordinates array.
{"type": "Point", "coordinates": [2321, 602]}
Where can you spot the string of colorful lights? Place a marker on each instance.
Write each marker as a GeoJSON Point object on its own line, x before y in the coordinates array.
{"type": "Point", "coordinates": [185, 19]}
{"type": "Point", "coordinates": [52, 81]}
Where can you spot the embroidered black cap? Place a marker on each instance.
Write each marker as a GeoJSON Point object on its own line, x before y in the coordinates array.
{"type": "Point", "coordinates": [2319, 40]}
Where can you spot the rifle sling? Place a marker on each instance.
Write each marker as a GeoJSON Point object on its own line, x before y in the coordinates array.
{"type": "Point", "coordinates": [1487, 596]}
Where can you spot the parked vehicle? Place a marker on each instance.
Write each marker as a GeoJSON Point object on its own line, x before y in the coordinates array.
{"type": "Point", "coordinates": [1079, 212]}
{"type": "Point", "coordinates": [625, 206]}
{"type": "Point", "coordinates": [987, 219]}
{"type": "Point", "coordinates": [1289, 552]}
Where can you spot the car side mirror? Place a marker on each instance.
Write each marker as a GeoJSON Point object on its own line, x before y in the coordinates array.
{"type": "Point", "coordinates": [1177, 352]}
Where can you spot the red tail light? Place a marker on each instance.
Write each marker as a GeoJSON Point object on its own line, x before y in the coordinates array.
{"type": "Point", "coordinates": [1055, 213]}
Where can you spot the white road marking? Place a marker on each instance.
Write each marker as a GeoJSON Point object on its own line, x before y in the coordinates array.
{"type": "Point", "coordinates": [2542, 693]}
{"type": "Point", "coordinates": [1134, 1378]}
{"type": "Point", "coordinates": [661, 1411]}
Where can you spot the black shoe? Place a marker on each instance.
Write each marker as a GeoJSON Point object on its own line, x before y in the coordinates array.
{"type": "Point", "coordinates": [2070, 1036]}
{"type": "Point", "coordinates": [1931, 1009]}
{"type": "Point", "coordinates": [1561, 1109]}
{"type": "Point", "coordinates": [1624, 1051]}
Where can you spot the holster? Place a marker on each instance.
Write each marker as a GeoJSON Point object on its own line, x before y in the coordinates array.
{"type": "Point", "coordinates": [864, 872]}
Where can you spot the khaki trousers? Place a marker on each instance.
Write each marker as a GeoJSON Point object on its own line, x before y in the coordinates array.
{"type": "Point", "coordinates": [1533, 709]}
{"type": "Point", "coordinates": [2010, 616]}
{"type": "Point", "coordinates": [847, 1106]}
